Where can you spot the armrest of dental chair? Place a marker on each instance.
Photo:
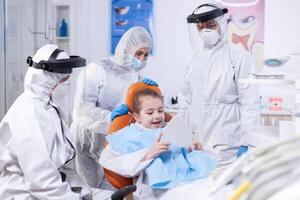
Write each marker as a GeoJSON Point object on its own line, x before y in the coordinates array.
{"type": "Point", "coordinates": [123, 192]}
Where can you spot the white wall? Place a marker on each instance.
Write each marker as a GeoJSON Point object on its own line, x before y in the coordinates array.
{"type": "Point", "coordinates": [92, 28]}
{"type": "Point", "coordinates": [172, 50]}
{"type": "Point", "coordinates": [282, 27]}
{"type": "Point", "coordinates": [2, 55]}
{"type": "Point", "coordinates": [172, 46]}
{"type": "Point", "coordinates": [20, 16]}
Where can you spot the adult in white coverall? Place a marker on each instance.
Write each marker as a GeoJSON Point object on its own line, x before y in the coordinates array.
{"type": "Point", "coordinates": [37, 154]}
{"type": "Point", "coordinates": [220, 109]}
{"type": "Point", "coordinates": [105, 83]}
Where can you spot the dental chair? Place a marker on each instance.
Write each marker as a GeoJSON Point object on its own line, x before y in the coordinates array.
{"type": "Point", "coordinates": [122, 121]}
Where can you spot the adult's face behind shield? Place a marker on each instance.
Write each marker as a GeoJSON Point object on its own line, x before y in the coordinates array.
{"type": "Point", "coordinates": [207, 26]}
{"type": "Point", "coordinates": [64, 93]}
{"type": "Point", "coordinates": [57, 74]}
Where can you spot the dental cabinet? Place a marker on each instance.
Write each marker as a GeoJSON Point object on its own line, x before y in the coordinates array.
{"type": "Point", "coordinates": [286, 114]}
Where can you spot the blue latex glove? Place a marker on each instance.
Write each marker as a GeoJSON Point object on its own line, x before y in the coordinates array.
{"type": "Point", "coordinates": [150, 82]}
{"type": "Point", "coordinates": [241, 150]}
{"type": "Point", "coordinates": [119, 110]}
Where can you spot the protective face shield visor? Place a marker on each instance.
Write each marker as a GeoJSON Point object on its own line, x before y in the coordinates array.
{"type": "Point", "coordinates": [63, 66]}
{"type": "Point", "coordinates": [60, 71]}
{"type": "Point", "coordinates": [207, 26]}
{"type": "Point", "coordinates": [63, 95]}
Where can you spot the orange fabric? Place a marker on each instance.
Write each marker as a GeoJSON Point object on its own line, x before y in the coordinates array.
{"type": "Point", "coordinates": [122, 121]}
{"type": "Point", "coordinates": [116, 180]}
{"type": "Point", "coordinates": [119, 123]}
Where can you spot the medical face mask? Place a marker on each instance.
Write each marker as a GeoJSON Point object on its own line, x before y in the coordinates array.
{"type": "Point", "coordinates": [209, 37]}
{"type": "Point", "coordinates": [136, 63]}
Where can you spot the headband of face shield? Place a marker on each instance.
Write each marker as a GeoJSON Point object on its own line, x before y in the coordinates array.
{"type": "Point", "coordinates": [206, 16]}
{"type": "Point", "coordinates": [63, 66]}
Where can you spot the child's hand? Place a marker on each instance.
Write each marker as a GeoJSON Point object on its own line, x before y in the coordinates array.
{"type": "Point", "coordinates": [196, 145]}
{"type": "Point", "coordinates": [157, 149]}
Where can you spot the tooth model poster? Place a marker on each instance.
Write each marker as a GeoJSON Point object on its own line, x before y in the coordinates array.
{"type": "Point", "coordinates": [128, 13]}
{"type": "Point", "coordinates": [246, 26]}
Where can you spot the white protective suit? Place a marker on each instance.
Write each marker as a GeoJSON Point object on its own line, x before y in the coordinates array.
{"type": "Point", "coordinates": [37, 145]}
{"type": "Point", "coordinates": [220, 109]}
{"type": "Point", "coordinates": [105, 84]}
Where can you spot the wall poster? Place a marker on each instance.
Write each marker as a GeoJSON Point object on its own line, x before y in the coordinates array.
{"type": "Point", "coordinates": [246, 26]}
{"type": "Point", "coordinates": [128, 13]}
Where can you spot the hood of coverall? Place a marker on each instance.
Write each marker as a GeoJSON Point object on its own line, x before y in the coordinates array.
{"type": "Point", "coordinates": [134, 39]}
{"type": "Point", "coordinates": [51, 86]}
{"type": "Point", "coordinates": [41, 82]}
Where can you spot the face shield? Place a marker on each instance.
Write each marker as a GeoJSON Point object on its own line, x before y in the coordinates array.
{"type": "Point", "coordinates": [57, 63]}
{"type": "Point", "coordinates": [207, 26]}
{"type": "Point", "coordinates": [57, 74]}
{"type": "Point", "coordinates": [64, 93]}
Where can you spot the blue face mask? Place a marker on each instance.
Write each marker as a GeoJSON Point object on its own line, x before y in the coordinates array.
{"type": "Point", "coordinates": [137, 64]}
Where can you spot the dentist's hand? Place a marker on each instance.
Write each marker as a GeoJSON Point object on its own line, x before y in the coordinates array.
{"type": "Point", "coordinates": [150, 82]}
{"type": "Point", "coordinates": [119, 110]}
{"type": "Point", "coordinates": [157, 149]}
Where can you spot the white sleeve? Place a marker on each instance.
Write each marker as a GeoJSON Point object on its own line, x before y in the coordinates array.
{"type": "Point", "coordinates": [4, 138]}
{"type": "Point", "coordinates": [89, 85]}
{"type": "Point", "coordinates": [4, 155]}
{"type": "Point", "coordinates": [185, 94]}
{"type": "Point", "coordinates": [248, 96]}
{"type": "Point", "coordinates": [128, 165]}
{"type": "Point", "coordinates": [40, 172]}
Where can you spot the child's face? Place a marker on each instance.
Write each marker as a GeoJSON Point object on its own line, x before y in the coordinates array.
{"type": "Point", "coordinates": [151, 114]}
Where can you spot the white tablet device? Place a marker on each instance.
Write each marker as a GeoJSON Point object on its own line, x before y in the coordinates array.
{"type": "Point", "coordinates": [177, 132]}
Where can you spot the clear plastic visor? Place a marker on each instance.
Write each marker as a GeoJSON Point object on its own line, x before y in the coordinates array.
{"type": "Point", "coordinates": [63, 93]}
{"type": "Point", "coordinates": [218, 24]}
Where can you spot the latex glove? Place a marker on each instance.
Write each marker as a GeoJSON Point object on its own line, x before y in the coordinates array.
{"type": "Point", "coordinates": [119, 110]}
{"type": "Point", "coordinates": [150, 82]}
{"type": "Point", "coordinates": [241, 150]}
